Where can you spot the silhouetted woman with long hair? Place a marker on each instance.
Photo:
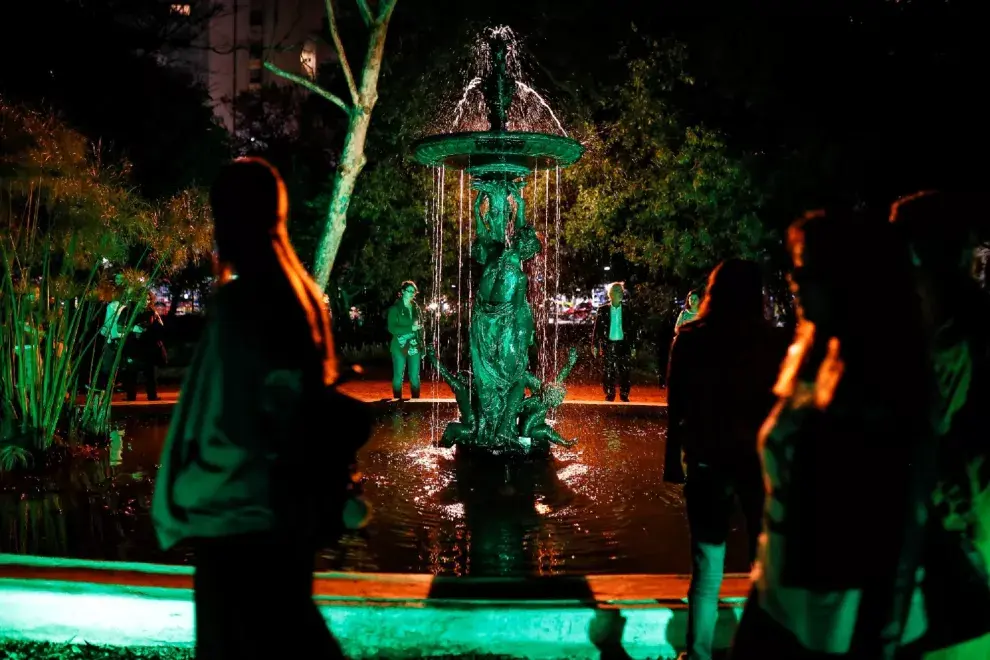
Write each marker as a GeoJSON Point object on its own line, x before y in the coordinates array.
{"type": "Point", "coordinates": [723, 365]}
{"type": "Point", "coordinates": [844, 453]}
{"type": "Point", "coordinates": [256, 467]}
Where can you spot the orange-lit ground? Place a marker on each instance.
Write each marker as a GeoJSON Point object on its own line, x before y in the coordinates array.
{"type": "Point", "coordinates": [376, 390]}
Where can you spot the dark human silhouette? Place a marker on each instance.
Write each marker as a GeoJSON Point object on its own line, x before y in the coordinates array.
{"type": "Point", "coordinates": [721, 372]}
{"type": "Point", "coordinates": [943, 231]}
{"type": "Point", "coordinates": [615, 335]}
{"type": "Point", "coordinates": [257, 467]}
{"type": "Point", "coordinates": [846, 455]}
{"type": "Point", "coordinates": [145, 352]}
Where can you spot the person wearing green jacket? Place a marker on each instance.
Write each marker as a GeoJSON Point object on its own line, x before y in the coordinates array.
{"type": "Point", "coordinates": [407, 340]}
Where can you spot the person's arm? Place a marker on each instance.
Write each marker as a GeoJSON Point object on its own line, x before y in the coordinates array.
{"type": "Point", "coordinates": [633, 326]}
{"type": "Point", "coordinates": [596, 333]}
{"type": "Point", "coordinates": [673, 467]}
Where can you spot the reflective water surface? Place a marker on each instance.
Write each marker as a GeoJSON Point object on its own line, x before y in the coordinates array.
{"type": "Point", "coordinates": [600, 507]}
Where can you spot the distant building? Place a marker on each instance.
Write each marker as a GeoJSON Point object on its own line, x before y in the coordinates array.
{"type": "Point", "coordinates": [227, 54]}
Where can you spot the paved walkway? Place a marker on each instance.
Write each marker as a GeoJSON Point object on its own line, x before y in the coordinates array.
{"type": "Point", "coordinates": [376, 390]}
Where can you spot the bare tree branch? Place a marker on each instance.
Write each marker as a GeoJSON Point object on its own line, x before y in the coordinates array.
{"type": "Point", "coordinates": [339, 47]}
{"type": "Point", "coordinates": [385, 10]}
{"type": "Point", "coordinates": [365, 13]}
{"type": "Point", "coordinates": [311, 86]}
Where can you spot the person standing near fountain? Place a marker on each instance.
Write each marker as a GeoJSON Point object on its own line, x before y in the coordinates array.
{"type": "Point", "coordinates": [692, 302]}
{"type": "Point", "coordinates": [407, 340]}
{"type": "Point", "coordinates": [243, 477]}
{"type": "Point", "coordinates": [719, 390]}
{"type": "Point", "coordinates": [615, 335]}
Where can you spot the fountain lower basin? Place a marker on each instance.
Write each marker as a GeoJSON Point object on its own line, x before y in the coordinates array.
{"type": "Point", "coordinates": [598, 508]}
{"type": "Point", "coordinates": [550, 562]}
{"type": "Point", "coordinates": [373, 616]}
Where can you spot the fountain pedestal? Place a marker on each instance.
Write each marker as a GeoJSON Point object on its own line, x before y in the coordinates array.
{"type": "Point", "coordinates": [493, 403]}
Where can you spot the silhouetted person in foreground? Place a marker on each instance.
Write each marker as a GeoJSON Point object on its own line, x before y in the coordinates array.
{"type": "Point", "coordinates": [846, 456]}
{"type": "Point", "coordinates": [722, 368]}
{"type": "Point", "coordinates": [256, 469]}
{"type": "Point", "coordinates": [943, 232]}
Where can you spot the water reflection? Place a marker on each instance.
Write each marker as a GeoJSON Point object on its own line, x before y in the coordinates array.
{"type": "Point", "coordinates": [599, 507]}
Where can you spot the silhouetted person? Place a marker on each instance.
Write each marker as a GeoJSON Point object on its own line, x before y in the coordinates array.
{"type": "Point", "coordinates": [145, 352]}
{"type": "Point", "coordinates": [615, 335]}
{"type": "Point", "coordinates": [846, 453]}
{"type": "Point", "coordinates": [407, 340]}
{"type": "Point", "coordinates": [943, 231]}
{"type": "Point", "coordinates": [116, 330]}
{"type": "Point", "coordinates": [256, 471]}
{"type": "Point", "coordinates": [720, 382]}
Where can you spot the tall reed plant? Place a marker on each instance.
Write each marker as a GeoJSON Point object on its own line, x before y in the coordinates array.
{"type": "Point", "coordinates": [73, 236]}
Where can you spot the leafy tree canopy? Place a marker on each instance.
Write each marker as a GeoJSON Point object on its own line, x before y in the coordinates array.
{"type": "Point", "coordinates": [663, 192]}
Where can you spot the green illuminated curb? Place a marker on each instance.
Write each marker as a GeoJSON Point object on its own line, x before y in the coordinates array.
{"type": "Point", "coordinates": [396, 616]}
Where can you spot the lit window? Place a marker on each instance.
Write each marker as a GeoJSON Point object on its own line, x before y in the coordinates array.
{"type": "Point", "coordinates": [307, 58]}
{"type": "Point", "coordinates": [183, 9]}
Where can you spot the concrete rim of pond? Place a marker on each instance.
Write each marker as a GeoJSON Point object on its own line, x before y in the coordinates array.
{"type": "Point", "coordinates": [373, 615]}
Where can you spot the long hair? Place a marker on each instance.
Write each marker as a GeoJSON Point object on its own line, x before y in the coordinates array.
{"type": "Point", "coordinates": [735, 290]}
{"type": "Point", "coordinates": [884, 343]}
{"type": "Point", "coordinates": [250, 209]}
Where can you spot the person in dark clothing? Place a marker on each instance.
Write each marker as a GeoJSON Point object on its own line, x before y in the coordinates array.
{"type": "Point", "coordinates": [144, 353]}
{"type": "Point", "coordinates": [615, 335]}
{"type": "Point", "coordinates": [943, 231]}
{"type": "Point", "coordinates": [720, 389]}
{"type": "Point", "coordinates": [247, 476]}
{"type": "Point", "coordinates": [847, 454]}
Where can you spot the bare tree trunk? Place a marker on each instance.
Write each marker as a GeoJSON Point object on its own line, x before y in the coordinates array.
{"type": "Point", "coordinates": [352, 161]}
{"type": "Point", "coordinates": [363, 100]}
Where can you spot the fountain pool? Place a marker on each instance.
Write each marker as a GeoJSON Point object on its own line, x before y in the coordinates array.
{"type": "Point", "coordinates": [597, 508]}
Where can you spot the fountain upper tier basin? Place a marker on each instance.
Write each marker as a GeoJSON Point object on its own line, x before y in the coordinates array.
{"type": "Point", "coordinates": [492, 153]}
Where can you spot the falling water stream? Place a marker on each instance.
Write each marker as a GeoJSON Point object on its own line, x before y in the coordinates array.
{"type": "Point", "coordinates": [449, 311]}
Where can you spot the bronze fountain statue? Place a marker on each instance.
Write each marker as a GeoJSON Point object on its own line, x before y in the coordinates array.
{"type": "Point", "coordinates": [496, 415]}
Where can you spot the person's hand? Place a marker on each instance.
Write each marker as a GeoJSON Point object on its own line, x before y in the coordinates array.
{"type": "Point", "coordinates": [417, 326]}
{"type": "Point", "coordinates": [137, 330]}
{"type": "Point", "coordinates": [594, 351]}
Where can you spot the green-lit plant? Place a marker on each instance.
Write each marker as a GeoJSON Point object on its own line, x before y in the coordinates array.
{"type": "Point", "coordinates": [66, 217]}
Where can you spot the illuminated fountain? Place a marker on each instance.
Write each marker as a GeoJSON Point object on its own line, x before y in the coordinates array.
{"type": "Point", "coordinates": [496, 416]}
